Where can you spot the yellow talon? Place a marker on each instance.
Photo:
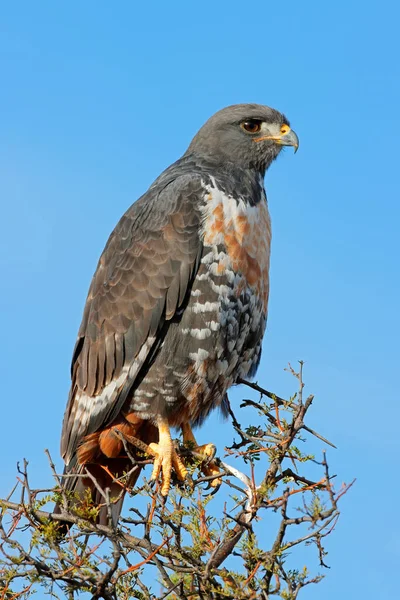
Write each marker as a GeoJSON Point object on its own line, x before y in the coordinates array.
{"type": "Point", "coordinates": [208, 451]}
{"type": "Point", "coordinates": [166, 458]}
{"type": "Point", "coordinates": [208, 467]}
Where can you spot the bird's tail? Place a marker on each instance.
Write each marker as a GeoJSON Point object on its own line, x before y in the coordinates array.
{"type": "Point", "coordinates": [87, 487]}
{"type": "Point", "coordinates": [97, 491]}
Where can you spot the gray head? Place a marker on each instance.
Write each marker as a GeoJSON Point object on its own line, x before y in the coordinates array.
{"type": "Point", "coordinates": [249, 135]}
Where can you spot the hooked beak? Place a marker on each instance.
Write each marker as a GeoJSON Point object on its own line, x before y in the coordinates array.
{"type": "Point", "coordinates": [289, 138]}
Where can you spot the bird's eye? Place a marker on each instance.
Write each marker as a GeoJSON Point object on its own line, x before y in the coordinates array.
{"type": "Point", "coordinates": [252, 126]}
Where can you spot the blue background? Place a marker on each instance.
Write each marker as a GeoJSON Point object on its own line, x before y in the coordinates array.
{"type": "Point", "coordinates": [97, 98]}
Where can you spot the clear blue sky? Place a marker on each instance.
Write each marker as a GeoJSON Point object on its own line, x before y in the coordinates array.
{"type": "Point", "coordinates": [98, 97]}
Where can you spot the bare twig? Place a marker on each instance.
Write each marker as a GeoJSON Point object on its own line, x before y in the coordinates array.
{"type": "Point", "coordinates": [184, 543]}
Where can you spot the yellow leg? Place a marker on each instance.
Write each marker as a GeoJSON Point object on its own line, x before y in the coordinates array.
{"type": "Point", "coordinates": [166, 457]}
{"type": "Point", "coordinates": [209, 468]}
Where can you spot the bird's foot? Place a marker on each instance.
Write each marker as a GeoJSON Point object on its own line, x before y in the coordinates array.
{"type": "Point", "coordinates": [206, 454]}
{"type": "Point", "coordinates": [166, 458]}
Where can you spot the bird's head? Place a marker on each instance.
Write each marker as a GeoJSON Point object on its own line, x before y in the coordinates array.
{"type": "Point", "coordinates": [248, 135]}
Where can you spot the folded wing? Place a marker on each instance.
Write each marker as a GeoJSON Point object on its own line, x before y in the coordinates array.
{"type": "Point", "coordinates": [141, 284]}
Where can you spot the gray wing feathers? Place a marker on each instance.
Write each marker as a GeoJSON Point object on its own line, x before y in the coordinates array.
{"type": "Point", "coordinates": [141, 280]}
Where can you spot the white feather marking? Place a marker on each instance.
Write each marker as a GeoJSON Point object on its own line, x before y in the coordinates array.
{"type": "Point", "coordinates": [199, 334]}
{"type": "Point", "coordinates": [98, 403]}
{"type": "Point", "coordinates": [213, 325]}
{"type": "Point", "coordinates": [204, 307]}
{"type": "Point", "coordinates": [201, 354]}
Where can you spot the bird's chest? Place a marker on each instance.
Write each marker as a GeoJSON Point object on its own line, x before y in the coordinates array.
{"type": "Point", "coordinates": [231, 290]}
{"type": "Point", "coordinates": [219, 336]}
{"type": "Point", "coordinates": [237, 240]}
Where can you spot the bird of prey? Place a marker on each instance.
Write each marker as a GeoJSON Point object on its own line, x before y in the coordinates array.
{"type": "Point", "coordinates": [177, 307]}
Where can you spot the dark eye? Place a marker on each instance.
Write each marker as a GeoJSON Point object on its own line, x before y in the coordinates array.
{"type": "Point", "coordinates": [251, 126]}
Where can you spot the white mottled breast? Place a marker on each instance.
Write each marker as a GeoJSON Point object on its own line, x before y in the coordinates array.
{"type": "Point", "coordinates": [237, 239]}
{"type": "Point", "coordinates": [244, 232]}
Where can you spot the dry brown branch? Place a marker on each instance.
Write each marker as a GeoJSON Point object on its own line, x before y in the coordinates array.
{"type": "Point", "coordinates": [191, 547]}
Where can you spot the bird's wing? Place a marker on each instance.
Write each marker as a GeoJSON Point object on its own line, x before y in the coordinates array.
{"type": "Point", "coordinates": [141, 283]}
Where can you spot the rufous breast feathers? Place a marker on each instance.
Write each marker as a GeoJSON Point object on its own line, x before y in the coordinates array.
{"type": "Point", "coordinates": [245, 232]}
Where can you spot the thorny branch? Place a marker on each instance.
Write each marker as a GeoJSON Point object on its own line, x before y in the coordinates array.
{"type": "Point", "coordinates": [193, 546]}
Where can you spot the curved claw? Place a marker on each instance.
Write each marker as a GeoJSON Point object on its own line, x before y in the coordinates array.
{"type": "Point", "coordinates": [166, 458]}
{"type": "Point", "coordinates": [207, 454]}
{"type": "Point", "coordinates": [213, 485]}
{"type": "Point", "coordinates": [216, 488]}
{"type": "Point", "coordinates": [211, 469]}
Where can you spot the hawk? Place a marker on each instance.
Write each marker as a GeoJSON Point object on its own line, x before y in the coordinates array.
{"type": "Point", "coordinates": [177, 307]}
